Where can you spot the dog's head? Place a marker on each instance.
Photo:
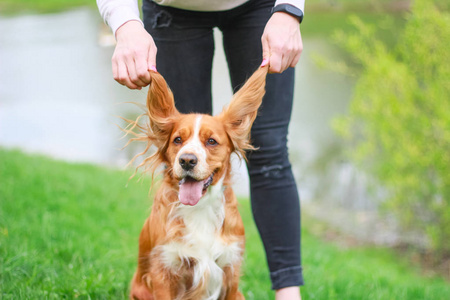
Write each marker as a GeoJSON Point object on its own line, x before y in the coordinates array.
{"type": "Point", "coordinates": [196, 148]}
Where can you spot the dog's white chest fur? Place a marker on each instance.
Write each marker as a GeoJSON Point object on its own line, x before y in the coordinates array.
{"type": "Point", "coordinates": [202, 242]}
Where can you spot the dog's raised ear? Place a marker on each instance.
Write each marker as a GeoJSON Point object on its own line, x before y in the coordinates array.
{"type": "Point", "coordinates": [161, 107]}
{"type": "Point", "coordinates": [240, 114]}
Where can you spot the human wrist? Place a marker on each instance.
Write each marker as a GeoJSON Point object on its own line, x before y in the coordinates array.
{"type": "Point", "coordinates": [286, 16]}
{"type": "Point", "coordinates": [128, 27]}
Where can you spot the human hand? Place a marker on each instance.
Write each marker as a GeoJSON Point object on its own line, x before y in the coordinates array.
{"type": "Point", "coordinates": [134, 56]}
{"type": "Point", "coordinates": [281, 42]}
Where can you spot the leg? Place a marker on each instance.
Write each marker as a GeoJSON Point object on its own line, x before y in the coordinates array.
{"type": "Point", "coordinates": [139, 285]}
{"type": "Point", "coordinates": [185, 54]}
{"type": "Point", "coordinates": [139, 290]}
{"type": "Point", "coordinates": [163, 285]}
{"type": "Point", "coordinates": [274, 196]}
{"type": "Point", "coordinates": [231, 280]}
{"type": "Point", "coordinates": [291, 293]}
{"type": "Point", "coordinates": [275, 200]}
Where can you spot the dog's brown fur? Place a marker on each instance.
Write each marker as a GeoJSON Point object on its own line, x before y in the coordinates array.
{"type": "Point", "coordinates": [154, 278]}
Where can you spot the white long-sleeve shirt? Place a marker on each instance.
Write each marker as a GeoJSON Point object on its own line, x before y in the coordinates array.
{"type": "Point", "coordinates": [115, 13]}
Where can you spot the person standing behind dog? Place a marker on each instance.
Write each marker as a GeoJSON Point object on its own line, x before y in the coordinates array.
{"type": "Point", "coordinates": [181, 32]}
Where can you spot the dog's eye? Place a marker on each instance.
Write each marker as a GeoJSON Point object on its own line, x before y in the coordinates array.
{"type": "Point", "coordinates": [211, 142]}
{"type": "Point", "coordinates": [177, 140]}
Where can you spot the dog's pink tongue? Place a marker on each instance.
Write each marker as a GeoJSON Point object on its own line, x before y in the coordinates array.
{"type": "Point", "coordinates": [190, 192]}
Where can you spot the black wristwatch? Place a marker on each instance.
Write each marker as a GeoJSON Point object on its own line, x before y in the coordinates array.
{"type": "Point", "coordinates": [289, 9]}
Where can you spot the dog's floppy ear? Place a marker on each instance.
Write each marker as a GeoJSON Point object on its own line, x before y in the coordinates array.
{"type": "Point", "coordinates": [240, 114]}
{"type": "Point", "coordinates": [162, 114]}
{"type": "Point", "coordinates": [161, 107]}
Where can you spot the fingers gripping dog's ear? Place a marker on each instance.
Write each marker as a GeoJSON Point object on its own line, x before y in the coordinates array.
{"type": "Point", "coordinates": [240, 114]}
{"type": "Point", "coordinates": [161, 106]}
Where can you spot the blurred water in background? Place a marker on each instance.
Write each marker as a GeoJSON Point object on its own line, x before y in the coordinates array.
{"type": "Point", "coordinates": [58, 97]}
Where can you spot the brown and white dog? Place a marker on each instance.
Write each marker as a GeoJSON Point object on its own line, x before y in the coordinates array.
{"type": "Point", "coordinates": [192, 244]}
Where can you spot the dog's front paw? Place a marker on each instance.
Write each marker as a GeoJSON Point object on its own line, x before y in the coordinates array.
{"type": "Point", "coordinates": [139, 291]}
{"type": "Point", "coordinates": [239, 296]}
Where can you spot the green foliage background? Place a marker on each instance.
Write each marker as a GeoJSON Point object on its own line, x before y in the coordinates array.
{"type": "Point", "coordinates": [399, 121]}
{"type": "Point", "coordinates": [15, 6]}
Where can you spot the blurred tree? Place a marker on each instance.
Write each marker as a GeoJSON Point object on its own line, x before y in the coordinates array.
{"type": "Point", "coordinates": [398, 126]}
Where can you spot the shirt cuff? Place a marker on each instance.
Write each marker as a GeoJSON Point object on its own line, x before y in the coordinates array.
{"type": "Point", "coordinates": [120, 15]}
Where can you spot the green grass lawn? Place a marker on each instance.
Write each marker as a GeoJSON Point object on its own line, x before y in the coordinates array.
{"type": "Point", "coordinates": [71, 231]}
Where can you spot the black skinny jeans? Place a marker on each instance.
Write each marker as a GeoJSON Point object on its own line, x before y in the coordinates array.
{"type": "Point", "coordinates": [185, 53]}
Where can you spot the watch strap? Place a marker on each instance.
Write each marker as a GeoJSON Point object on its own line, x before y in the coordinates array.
{"type": "Point", "coordinates": [289, 9]}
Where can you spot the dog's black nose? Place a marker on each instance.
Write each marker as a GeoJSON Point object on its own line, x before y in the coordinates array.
{"type": "Point", "coordinates": [188, 161]}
